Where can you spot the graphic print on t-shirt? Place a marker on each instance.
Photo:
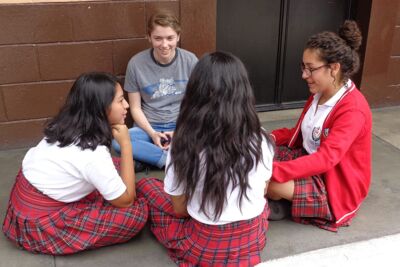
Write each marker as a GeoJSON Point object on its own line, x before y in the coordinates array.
{"type": "Point", "coordinates": [165, 87]}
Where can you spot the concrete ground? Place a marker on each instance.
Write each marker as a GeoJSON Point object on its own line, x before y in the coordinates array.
{"type": "Point", "coordinates": [375, 227]}
{"type": "Point", "coordinates": [382, 251]}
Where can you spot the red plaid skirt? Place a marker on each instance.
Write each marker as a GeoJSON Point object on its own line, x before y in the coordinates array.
{"type": "Point", "coordinates": [40, 224]}
{"type": "Point", "coordinates": [191, 243]}
{"type": "Point", "coordinates": [310, 203]}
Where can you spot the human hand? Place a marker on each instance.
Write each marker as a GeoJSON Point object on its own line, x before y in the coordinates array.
{"type": "Point", "coordinates": [121, 134]}
{"type": "Point", "coordinates": [160, 139]}
{"type": "Point", "coordinates": [166, 142]}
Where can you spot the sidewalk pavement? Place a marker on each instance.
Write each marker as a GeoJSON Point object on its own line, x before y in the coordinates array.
{"type": "Point", "coordinates": [382, 251]}
{"type": "Point", "coordinates": [370, 239]}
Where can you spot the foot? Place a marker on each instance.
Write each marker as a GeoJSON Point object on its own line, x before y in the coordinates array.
{"type": "Point", "coordinates": [279, 209]}
{"type": "Point", "coordinates": [141, 166]}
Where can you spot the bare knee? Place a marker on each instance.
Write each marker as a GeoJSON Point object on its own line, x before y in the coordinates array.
{"type": "Point", "coordinates": [273, 191]}
{"type": "Point", "coordinates": [277, 191]}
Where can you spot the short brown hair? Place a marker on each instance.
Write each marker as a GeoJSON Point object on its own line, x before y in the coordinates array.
{"type": "Point", "coordinates": [164, 19]}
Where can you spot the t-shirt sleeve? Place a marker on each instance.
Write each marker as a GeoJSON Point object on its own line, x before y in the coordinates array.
{"type": "Point", "coordinates": [267, 159]}
{"type": "Point", "coordinates": [103, 175]}
{"type": "Point", "coordinates": [131, 84]}
{"type": "Point", "coordinates": [170, 183]}
{"type": "Point", "coordinates": [193, 62]}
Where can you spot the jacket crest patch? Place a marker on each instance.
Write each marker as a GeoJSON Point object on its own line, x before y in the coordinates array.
{"type": "Point", "coordinates": [316, 133]}
{"type": "Point", "coordinates": [326, 132]}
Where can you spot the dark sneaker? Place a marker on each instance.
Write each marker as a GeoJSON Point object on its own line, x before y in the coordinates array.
{"type": "Point", "coordinates": [141, 166]}
{"type": "Point", "coordinates": [279, 209]}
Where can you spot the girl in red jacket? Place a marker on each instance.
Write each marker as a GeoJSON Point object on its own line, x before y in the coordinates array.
{"type": "Point", "coordinates": [323, 164]}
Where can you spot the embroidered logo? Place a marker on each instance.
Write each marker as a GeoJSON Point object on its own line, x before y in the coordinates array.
{"type": "Point", "coordinates": [316, 133]}
{"type": "Point", "coordinates": [326, 132]}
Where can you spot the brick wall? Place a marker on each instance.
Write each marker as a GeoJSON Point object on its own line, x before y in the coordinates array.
{"type": "Point", "coordinates": [45, 46]}
{"type": "Point", "coordinates": [381, 71]}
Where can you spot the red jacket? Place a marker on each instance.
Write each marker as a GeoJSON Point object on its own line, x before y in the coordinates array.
{"type": "Point", "coordinates": [344, 155]}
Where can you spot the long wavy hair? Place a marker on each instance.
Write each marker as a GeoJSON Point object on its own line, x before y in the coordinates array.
{"type": "Point", "coordinates": [83, 118]}
{"type": "Point", "coordinates": [218, 133]}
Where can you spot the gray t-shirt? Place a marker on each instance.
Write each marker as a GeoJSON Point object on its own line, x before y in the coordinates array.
{"type": "Point", "coordinates": [161, 87]}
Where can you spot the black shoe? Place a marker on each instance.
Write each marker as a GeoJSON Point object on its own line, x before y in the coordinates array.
{"type": "Point", "coordinates": [279, 209]}
{"type": "Point", "coordinates": [141, 166]}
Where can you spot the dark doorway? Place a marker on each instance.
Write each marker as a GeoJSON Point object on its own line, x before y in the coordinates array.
{"type": "Point", "coordinates": [269, 36]}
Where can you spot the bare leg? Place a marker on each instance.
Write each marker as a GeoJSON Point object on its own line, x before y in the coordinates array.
{"type": "Point", "coordinates": [277, 191]}
{"type": "Point", "coordinates": [279, 197]}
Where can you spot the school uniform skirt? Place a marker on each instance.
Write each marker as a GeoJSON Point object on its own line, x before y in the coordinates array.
{"type": "Point", "coordinates": [192, 243]}
{"type": "Point", "coordinates": [310, 203]}
{"type": "Point", "coordinates": [40, 224]}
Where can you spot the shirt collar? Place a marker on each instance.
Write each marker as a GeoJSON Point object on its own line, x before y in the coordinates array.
{"type": "Point", "coordinates": [332, 101]}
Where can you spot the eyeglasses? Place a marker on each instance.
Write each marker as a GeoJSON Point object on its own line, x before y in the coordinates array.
{"type": "Point", "coordinates": [309, 71]}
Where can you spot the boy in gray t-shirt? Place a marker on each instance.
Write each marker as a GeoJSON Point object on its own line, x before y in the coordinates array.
{"type": "Point", "coordinates": [161, 87]}
{"type": "Point", "coordinates": [156, 81]}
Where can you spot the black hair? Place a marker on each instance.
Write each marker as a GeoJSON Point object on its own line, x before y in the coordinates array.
{"type": "Point", "coordinates": [83, 118]}
{"type": "Point", "coordinates": [339, 48]}
{"type": "Point", "coordinates": [218, 133]}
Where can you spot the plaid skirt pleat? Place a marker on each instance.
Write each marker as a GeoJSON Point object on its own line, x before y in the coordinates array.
{"type": "Point", "coordinates": [40, 224]}
{"type": "Point", "coordinates": [191, 243]}
{"type": "Point", "coordinates": [310, 203]}
{"type": "Point", "coordinates": [284, 153]}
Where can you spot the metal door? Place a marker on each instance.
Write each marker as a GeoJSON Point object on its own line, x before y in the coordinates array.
{"type": "Point", "coordinates": [269, 37]}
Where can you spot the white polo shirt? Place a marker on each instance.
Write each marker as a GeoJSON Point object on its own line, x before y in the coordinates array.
{"type": "Point", "coordinates": [250, 208]}
{"type": "Point", "coordinates": [68, 174]}
{"type": "Point", "coordinates": [311, 126]}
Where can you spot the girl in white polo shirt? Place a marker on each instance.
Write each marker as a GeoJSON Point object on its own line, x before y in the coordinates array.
{"type": "Point", "coordinates": [211, 209]}
{"type": "Point", "coordinates": [70, 195]}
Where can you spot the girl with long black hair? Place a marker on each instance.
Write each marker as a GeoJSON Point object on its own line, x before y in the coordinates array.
{"type": "Point", "coordinates": [69, 195]}
{"type": "Point", "coordinates": [211, 209]}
